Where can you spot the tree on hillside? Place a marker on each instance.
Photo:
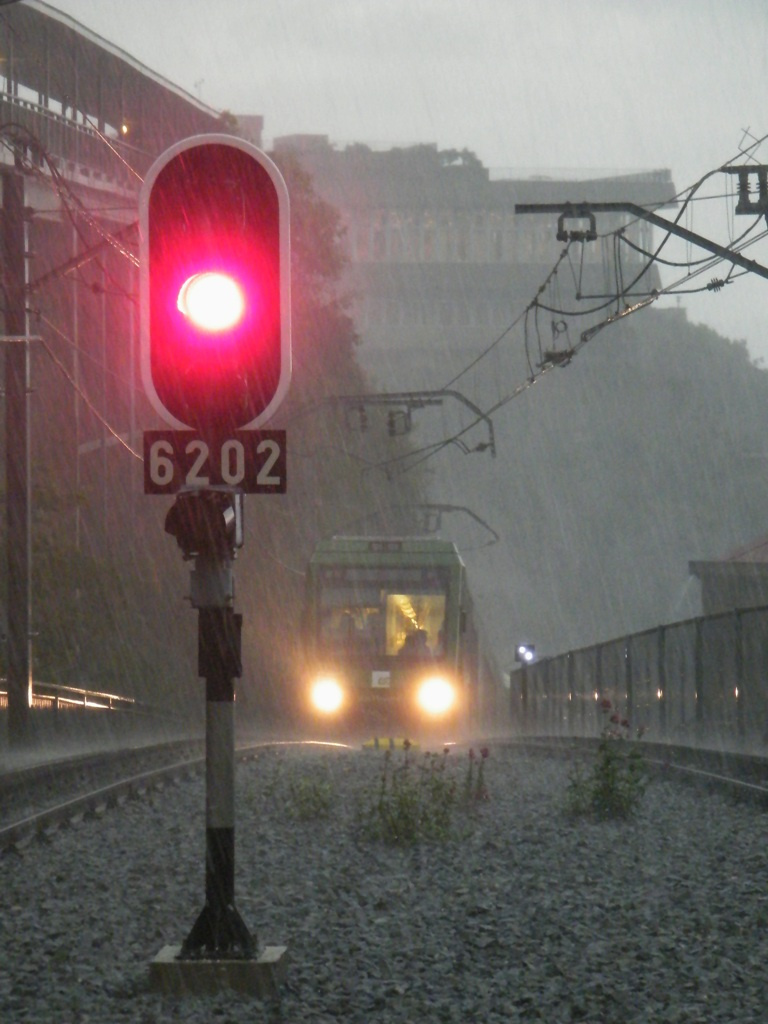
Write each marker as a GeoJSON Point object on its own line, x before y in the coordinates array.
{"type": "Point", "coordinates": [647, 452]}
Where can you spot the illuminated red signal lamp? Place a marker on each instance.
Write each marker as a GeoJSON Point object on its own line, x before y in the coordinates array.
{"type": "Point", "coordinates": [212, 301]}
{"type": "Point", "coordinates": [214, 283]}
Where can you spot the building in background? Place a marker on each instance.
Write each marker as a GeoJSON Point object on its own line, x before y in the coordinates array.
{"type": "Point", "coordinates": [82, 120]}
{"type": "Point", "coordinates": [737, 580]}
{"type": "Point", "coordinates": [438, 260]}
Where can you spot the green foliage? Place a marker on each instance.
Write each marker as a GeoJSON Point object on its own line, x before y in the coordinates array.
{"type": "Point", "coordinates": [229, 122]}
{"type": "Point", "coordinates": [417, 799]}
{"type": "Point", "coordinates": [649, 436]}
{"type": "Point", "coordinates": [99, 620]}
{"type": "Point", "coordinates": [317, 254]}
{"type": "Point", "coordinates": [462, 157]}
{"type": "Point", "coordinates": [614, 785]}
{"type": "Point", "coordinates": [474, 783]}
{"type": "Point", "coordinates": [294, 790]}
{"type": "Point", "coordinates": [310, 797]}
{"type": "Point", "coordinates": [414, 801]}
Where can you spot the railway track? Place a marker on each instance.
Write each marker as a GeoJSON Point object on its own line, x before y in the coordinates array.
{"type": "Point", "coordinates": [743, 776]}
{"type": "Point", "coordinates": [517, 899]}
{"type": "Point", "coordinates": [37, 801]}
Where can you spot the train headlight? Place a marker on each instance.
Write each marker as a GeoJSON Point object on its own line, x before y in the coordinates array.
{"type": "Point", "coordinates": [326, 695]}
{"type": "Point", "coordinates": [436, 695]}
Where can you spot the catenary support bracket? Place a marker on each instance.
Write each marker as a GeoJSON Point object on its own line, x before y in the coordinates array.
{"type": "Point", "coordinates": [586, 211]}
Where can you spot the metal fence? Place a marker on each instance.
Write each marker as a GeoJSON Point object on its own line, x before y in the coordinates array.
{"type": "Point", "coordinates": [699, 682]}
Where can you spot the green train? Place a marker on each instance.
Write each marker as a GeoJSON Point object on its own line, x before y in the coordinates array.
{"type": "Point", "coordinates": [391, 644]}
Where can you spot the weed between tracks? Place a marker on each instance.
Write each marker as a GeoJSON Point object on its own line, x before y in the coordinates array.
{"type": "Point", "coordinates": [418, 798]}
{"type": "Point", "coordinates": [429, 798]}
{"type": "Point", "coordinates": [413, 798]}
{"type": "Point", "coordinates": [311, 798]}
{"type": "Point", "coordinates": [615, 784]}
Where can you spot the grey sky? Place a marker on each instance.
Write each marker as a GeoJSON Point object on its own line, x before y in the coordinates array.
{"type": "Point", "coordinates": [530, 85]}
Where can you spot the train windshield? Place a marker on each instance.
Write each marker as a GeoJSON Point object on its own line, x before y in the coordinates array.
{"type": "Point", "coordinates": [383, 612]}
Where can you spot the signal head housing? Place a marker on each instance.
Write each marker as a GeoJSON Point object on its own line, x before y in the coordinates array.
{"type": "Point", "coordinates": [214, 283]}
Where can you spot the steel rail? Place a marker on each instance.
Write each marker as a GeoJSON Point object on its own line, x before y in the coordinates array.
{"type": "Point", "coordinates": [19, 833]}
{"type": "Point", "coordinates": [665, 759]}
{"type": "Point", "coordinates": [41, 824]}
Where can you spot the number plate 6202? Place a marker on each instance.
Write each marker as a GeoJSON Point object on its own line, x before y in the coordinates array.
{"type": "Point", "coordinates": [253, 461]}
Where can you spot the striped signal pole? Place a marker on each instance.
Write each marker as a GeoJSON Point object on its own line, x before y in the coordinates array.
{"type": "Point", "coordinates": [219, 929]}
{"type": "Point", "coordinates": [207, 526]}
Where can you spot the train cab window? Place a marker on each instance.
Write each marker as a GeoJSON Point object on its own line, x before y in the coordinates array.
{"type": "Point", "coordinates": [415, 624]}
{"type": "Point", "coordinates": [365, 614]}
{"type": "Point", "coordinates": [353, 627]}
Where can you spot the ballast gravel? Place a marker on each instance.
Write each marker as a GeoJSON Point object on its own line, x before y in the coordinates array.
{"type": "Point", "coordinates": [521, 915]}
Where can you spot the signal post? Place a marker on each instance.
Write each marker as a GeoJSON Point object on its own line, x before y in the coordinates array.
{"type": "Point", "coordinates": [215, 334]}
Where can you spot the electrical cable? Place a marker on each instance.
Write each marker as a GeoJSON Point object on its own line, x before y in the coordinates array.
{"type": "Point", "coordinates": [714, 262]}
{"type": "Point", "coordinates": [497, 341]}
{"type": "Point", "coordinates": [704, 259]}
{"type": "Point", "coordinates": [428, 451]}
{"type": "Point", "coordinates": [528, 317]}
{"type": "Point", "coordinates": [89, 404]}
{"type": "Point", "coordinates": [109, 145]}
{"type": "Point", "coordinates": [84, 354]}
{"type": "Point", "coordinates": [54, 179]}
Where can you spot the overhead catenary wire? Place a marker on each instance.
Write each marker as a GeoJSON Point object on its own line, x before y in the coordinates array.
{"type": "Point", "coordinates": [689, 196]}
{"type": "Point", "coordinates": [9, 137]}
{"type": "Point", "coordinates": [428, 450]}
{"type": "Point", "coordinates": [115, 151]}
{"type": "Point", "coordinates": [712, 263]}
{"type": "Point", "coordinates": [85, 354]}
{"type": "Point", "coordinates": [86, 400]}
{"type": "Point", "coordinates": [528, 319]}
{"type": "Point", "coordinates": [688, 262]}
{"type": "Point", "coordinates": [497, 341]}
{"type": "Point", "coordinates": [417, 456]}
{"type": "Point", "coordinates": [18, 138]}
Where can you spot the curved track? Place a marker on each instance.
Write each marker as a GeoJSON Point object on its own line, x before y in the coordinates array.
{"type": "Point", "coordinates": [743, 776]}
{"type": "Point", "coordinates": [37, 801]}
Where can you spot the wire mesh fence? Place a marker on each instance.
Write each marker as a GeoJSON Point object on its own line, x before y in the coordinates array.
{"type": "Point", "coordinates": [702, 681]}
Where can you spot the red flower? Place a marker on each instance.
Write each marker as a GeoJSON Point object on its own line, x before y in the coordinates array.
{"type": "Point", "coordinates": [625, 723]}
{"type": "Point", "coordinates": [484, 752]}
{"type": "Point", "coordinates": [605, 704]}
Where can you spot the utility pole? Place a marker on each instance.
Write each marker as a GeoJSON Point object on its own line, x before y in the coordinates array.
{"type": "Point", "coordinates": [17, 469]}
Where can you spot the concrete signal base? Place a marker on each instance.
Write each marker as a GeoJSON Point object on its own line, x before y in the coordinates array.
{"type": "Point", "coordinates": [259, 977]}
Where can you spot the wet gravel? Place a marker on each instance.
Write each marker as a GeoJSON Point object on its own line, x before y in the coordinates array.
{"type": "Point", "coordinates": [521, 915]}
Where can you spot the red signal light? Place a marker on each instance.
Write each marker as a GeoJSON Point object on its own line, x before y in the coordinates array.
{"type": "Point", "coordinates": [215, 310]}
{"type": "Point", "coordinates": [212, 301]}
